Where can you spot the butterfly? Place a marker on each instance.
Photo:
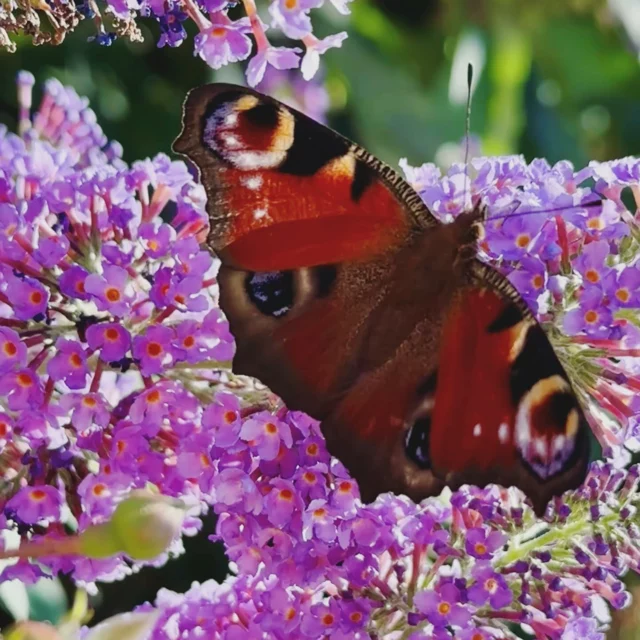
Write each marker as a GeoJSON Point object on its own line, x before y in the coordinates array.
{"type": "Point", "coordinates": [356, 305]}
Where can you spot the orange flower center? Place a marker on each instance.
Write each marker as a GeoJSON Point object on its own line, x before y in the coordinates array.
{"type": "Point", "coordinates": [623, 295]}
{"type": "Point", "coordinates": [229, 416]}
{"type": "Point", "coordinates": [271, 428]}
{"type": "Point", "coordinates": [523, 240]}
{"type": "Point", "coordinates": [80, 286]}
{"type": "Point", "coordinates": [286, 494]}
{"type": "Point", "coordinates": [355, 616]}
{"type": "Point", "coordinates": [290, 614]}
{"type": "Point", "coordinates": [38, 495]}
{"type": "Point", "coordinates": [592, 275]}
{"type": "Point", "coordinates": [444, 608]}
{"type": "Point", "coordinates": [111, 334]}
{"type": "Point", "coordinates": [595, 224]}
{"type": "Point", "coordinates": [154, 349]}
{"type": "Point", "coordinates": [480, 548]}
{"type": "Point", "coordinates": [310, 477]}
{"type": "Point", "coordinates": [10, 349]}
{"type": "Point", "coordinates": [179, 299]}
{"type": "Point", "coordinates": [290, 4]}
{"type": "Point", "coordinates": [35, 297]}
{"type": "Point", "coordinates": [189, 341]}
{"type": "Point", "coordinates": [537, 281]}
{"type": "Point", "coordinates": [218, 32]}
{"type": "Point", "coordinates": [327, 619]}
{"type": "Point", "coordinates": [491, 585]}
{"type": "Point", "coordinates": [113, 295]}
{"type": "Point", "coordinates": [75, 360]}
{"type": "Point", "coordinates": [591, 316]}
{"type": "Point", "coordinates": [344, 486]}
{"type": "Point", "coordinates": [153, 397]}
{"type": "Point", "coordinates": [88, 401]}
{"type": "Point", "coordinates": [312, 449]}
{"type": "Point", "coordinates": [152, 243]}
{"type": "Point", "coordinates": [99, 489]}
{"type": "Point", "coordinates": [320, 513]}
{"type": "Point", "coordinates": [24, 380]}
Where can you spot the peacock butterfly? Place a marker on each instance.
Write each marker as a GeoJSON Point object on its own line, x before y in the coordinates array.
{"type": "Point", "coordinates": [352, 302]}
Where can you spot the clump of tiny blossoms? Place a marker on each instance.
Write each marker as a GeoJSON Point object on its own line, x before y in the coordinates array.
{"type": "Point", "coordinates": [220, 40]}
{"type": "Point", "coordinates": [114, 374]}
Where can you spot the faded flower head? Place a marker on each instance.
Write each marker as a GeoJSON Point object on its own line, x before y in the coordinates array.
{"type": "Point", "coordinates": [114, 374]}
{"type": "Point", "coordinates": [220, 40]}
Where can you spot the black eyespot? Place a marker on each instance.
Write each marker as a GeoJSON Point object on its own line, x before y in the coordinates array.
{"type": "Point", "coordinates": [263, 115]}
{"type": "Point", "coordinates": [271, 292]}
{"type": "Point", "coordinates": [325, 277]}
{"type": "Point", "coordinates": [416, 444]}
{"type": "Point", "coordinates": [536, 361]}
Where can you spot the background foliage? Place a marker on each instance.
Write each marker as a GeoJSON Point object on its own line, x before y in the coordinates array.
{"type": "Point", "coordinates": [555, 79]}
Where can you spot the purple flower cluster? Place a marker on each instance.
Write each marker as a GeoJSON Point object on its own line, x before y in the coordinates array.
{"type": "Point", "coordinates": [221, 40]}
{"type": "Point", "coordinates": [114, 375]}
{"type": "Point", "coordinates": [103, 286]}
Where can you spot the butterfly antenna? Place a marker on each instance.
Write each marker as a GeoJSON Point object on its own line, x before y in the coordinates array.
{"type": "Point", "coordinates": [467, 132]}
{"type": "Point", "coordinates": [517, 214]}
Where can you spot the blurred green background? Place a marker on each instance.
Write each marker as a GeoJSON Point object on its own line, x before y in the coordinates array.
{"type": "Point", "coordinates": [558, 79]}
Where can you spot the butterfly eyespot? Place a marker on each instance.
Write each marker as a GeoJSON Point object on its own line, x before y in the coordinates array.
{"type": "Point", "coordinates": [272, 292]}
{"type": "Point", "coordinates": [416, 444]}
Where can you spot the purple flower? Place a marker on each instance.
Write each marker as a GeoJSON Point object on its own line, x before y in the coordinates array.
{"type": "Point", "coordinates": [591, 262]}
{"type": "Point", "coordinates": [591, 317]}
{"type": "Point", "coordinates": [266, 434]}
{"type": "Point", "coordinates": [111, 338]}
{"type": "Point", "coordinates": [223, 42]}
{"type": "Point", "coordinates": [22, 388]}
{"type": "Point", "coordinates": [35, 504]}
{"type": "Point", "coordinates": [69, 364]}
{"type": "Point", "coordinates": [489, 587]}
{"type": "Point", "coordinates": [28, 298]}
{"type": "Point", "coordinates": [223, 418]}
{"type": "Point", "coordinates": [319, 522]}
{"type": "Point", "coordinates": [442, 606]}
{"type": "Point", "coordinates": [13, 352]}
{"type": "Point", "coordinates": [110, 291]}
{"type": "Point", "coordinates": [292, 16]}
{"type": "Point", "coordinates": [153, 350]}
{"type": "Point", "coordinates": [172, 32]}
{"type": "Point", "coordinates": [315, 48]}
{"type": "Point", "coordinates": [278, 57]}
{"type": "Point", "coordinates": [582, 629]}
{"type": "Point", "coordinates": [157, 240]}
{"type": "Point", "coordinates": [72, 283]}
{"type": "Point", "coordinates": [86, 410]}
{"type": "Point", "coordinates": [481, 543]}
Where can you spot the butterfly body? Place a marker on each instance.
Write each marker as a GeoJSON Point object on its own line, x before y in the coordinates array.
{"type": "Point", "coordinates": [356, 305]}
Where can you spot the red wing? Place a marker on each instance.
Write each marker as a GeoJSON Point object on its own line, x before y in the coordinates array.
{"type": "Point", "coordinates": [286, 192]}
